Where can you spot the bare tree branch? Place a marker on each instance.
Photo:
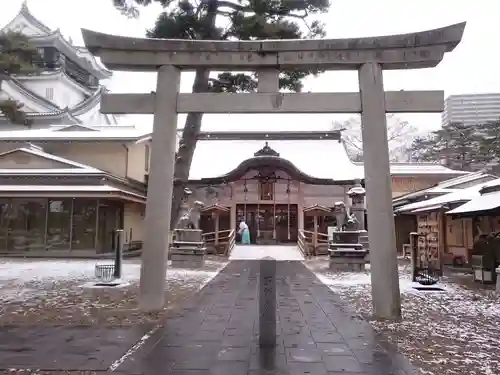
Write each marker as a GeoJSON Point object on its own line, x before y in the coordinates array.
{"type": "Point", "coordinates": [400, 135]}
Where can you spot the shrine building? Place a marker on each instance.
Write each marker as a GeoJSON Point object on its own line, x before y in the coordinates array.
{"type": "Point", "coordinates": [277, 182]}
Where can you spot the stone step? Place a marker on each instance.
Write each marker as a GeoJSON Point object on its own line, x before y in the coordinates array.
{"type": "Point", "coordinates": [187, 243]}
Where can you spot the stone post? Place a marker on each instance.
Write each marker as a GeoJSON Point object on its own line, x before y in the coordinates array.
{"type": "Point", "coordinates": [267, 303]}
{"type": "Point", "coordinates": [119, 240]}
{"type": "Point", "coordinates": [497, 271]}
{"type": "Point", "coordinates": [381, 234]}
{"type": "Point", "coordinates": [159, 200]}
{"type": "Point", "coordinates": [217, 219]}
{"type": "Point", "coordinates": [413, 257]}
{"type": "Point", "coordinates": [315, 231]}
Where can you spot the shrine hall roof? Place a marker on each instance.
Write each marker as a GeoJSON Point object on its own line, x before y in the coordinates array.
{"type": "Point", "coordinates": [319, 156]}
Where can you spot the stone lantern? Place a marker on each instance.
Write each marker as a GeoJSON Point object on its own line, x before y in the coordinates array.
{"type": "Point", "coordinates": [357, 194]}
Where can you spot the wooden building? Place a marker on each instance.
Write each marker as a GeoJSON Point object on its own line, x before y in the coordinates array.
{"type": "Point", "coordinates": [450, 214]}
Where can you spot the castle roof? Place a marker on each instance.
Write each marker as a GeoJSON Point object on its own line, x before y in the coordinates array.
{"type": "Point", "coordinates": [44, 112]}
{"type": "Point", "coordinates": [42, 36]}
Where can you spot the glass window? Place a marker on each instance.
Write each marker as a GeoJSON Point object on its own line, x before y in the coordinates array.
{"type": "Point", "coordinates": [16, 234]}
{"type": "Point", "coordinates": [23, 223]}
{"type": "Point", "coordinates": [58, 224]}
{"type": "Point", "coordinates": [84, 224]}
{"type": "Point", "coordinates": [36, 219]}
{"type": "Point", "coordinates": [4, 224]}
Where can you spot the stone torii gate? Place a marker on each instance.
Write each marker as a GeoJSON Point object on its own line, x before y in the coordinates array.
{"type": "Point", "coordinates": [369, 56]}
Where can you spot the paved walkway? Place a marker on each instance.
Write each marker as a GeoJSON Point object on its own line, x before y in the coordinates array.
{"type": "Point", "coordinates": [279, 252]}
{"type": "Point", "coordinates": [52, 348]}
{"type": "Point", "coordinates": [217, 333]}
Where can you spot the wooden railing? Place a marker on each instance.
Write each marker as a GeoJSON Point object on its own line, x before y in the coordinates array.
{"type": "Point", "coordinates": [311, 243]}
{"type": "Point", "coordinates": [302, 244]}
{"type": "Point", "coordinates": [231, 242]}
{"type": "Point", "coordinates": [221, 242]}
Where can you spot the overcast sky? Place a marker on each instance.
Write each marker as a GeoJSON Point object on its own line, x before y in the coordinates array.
{"type": "Point", "coordinates": [471, 68]}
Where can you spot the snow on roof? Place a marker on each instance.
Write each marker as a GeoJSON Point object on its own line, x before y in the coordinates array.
{"type": "Point", "coordinates": [461, 195]}
{"type": "Point", "coordinates": [470, 177]}
{"type": "Point", "coordinates": [325, 159]}
{"type": "Point", "coordinates": [443, 187]}
{"type": "Point", "coordinates": [66, 189]}
{"type": "Point", "coordinates": [485, 202]}
{"type": "Point", "coordinates": [110, 133]}
{"type": "Point", "coordinates": [51, 171]}
{"type": "Point", "coordinates": [40, 153]}
{"type": "Point", "coordinates": [319, 158]}
{"type": "Point", "coordinates": [423, 168]}
{"type": "Point", "coordinates": [42, 111]}
{"type": "Point", "coordinates": [75, 188]}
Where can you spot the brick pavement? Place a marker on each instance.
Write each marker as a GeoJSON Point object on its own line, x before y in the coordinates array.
{"type": "Point", "coordinates": [216, 334]}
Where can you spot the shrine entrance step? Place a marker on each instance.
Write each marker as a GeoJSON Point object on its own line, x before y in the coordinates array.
{"type": "Point", "coordinates": [278, 252]}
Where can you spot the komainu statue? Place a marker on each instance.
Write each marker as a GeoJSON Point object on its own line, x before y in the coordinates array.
{"type": "Point", "coordinates": [352, 223]}
{"type": "Point", "coordinates": [191, 219]}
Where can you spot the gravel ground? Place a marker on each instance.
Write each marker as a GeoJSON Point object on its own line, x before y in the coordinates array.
{"type": "Point", "coordinates": [60, 292]}
{"type": "Point", "coordinates": [450, 332]}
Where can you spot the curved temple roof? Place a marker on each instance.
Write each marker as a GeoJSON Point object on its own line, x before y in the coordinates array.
{"type": "Point", "coordinates": [406, 51]}
{"type": "Point", "coordinates": [216, 161]}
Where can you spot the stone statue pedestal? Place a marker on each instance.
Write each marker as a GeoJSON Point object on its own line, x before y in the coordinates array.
{"type": "Point", "coordinates": [187, 250]}
{"type": "Point", "coordinates": [346, 251]}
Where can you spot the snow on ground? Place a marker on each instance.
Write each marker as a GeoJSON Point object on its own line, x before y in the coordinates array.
{"type": "Point", "coordinates": [258, 252]}
{"type": "Point", "coordinates": [450, 332]}
{"type": "Point", "coordinates": [38, 291]}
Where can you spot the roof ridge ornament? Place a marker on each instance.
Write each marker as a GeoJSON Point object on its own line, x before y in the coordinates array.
{"type": "Point", "coordinates": [266, 151]}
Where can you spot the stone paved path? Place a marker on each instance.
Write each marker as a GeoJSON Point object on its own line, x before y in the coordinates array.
{"type": "Point", "coordinates": [217, 333]}
{"type": "Point", "coordinates": [65, 348]}
{"type": "Point", "coordinates": [278, 252]}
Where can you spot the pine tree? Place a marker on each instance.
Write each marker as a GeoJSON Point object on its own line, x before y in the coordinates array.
{"type": "Point", "coordinates": [228, 20]}
{"type": "Point", "coordinates": [458, 146]}
{"type": "Point", "coordinates": [16, 57]}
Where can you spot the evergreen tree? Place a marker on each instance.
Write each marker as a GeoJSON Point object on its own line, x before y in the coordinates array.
{"type": "Point", "coordinates": [488, 152]}
{"type": "Point", "coordinates": [16, 57]}
{"type": "Point", "coordinates": [228, 20]}
{"type": "Point", "coordinates": [457, 145]}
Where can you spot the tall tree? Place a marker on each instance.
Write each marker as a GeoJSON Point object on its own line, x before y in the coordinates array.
{"type": "Point", "coordinates": [16, 57]}
{"type": "Point", "coordinates": [458, 146]}
{"type": "Point", "coordinates": [228, 20]}
{"type": "Point", "coordinates": [400, 135]}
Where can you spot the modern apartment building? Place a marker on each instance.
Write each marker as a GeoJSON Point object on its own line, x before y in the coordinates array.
{"type": "Point", "coordinates": [471, 108]}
